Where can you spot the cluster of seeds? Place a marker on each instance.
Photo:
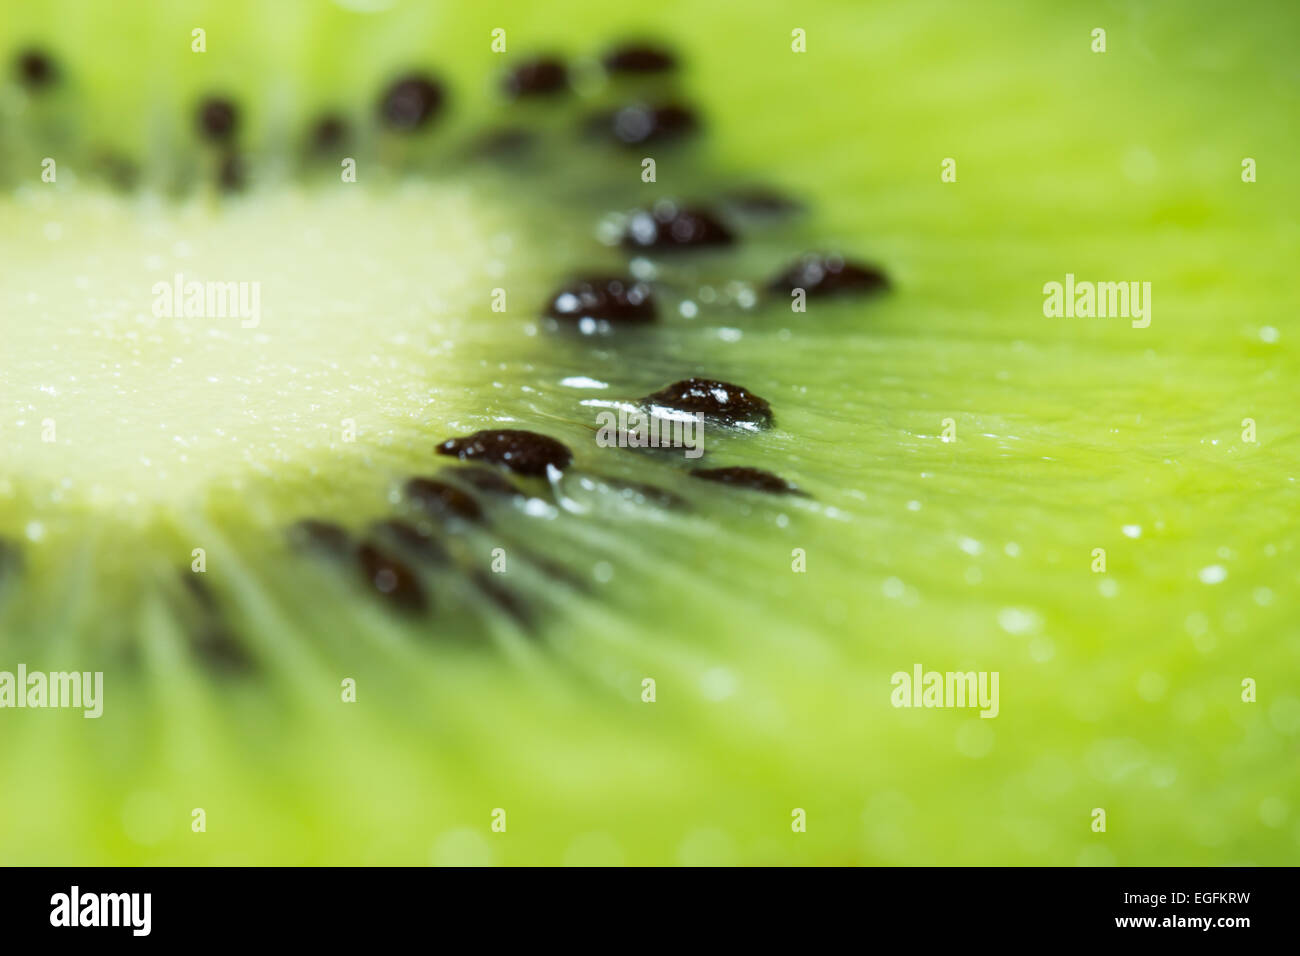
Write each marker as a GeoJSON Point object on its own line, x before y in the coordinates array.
{"type": "Point", "coordinates": [436, 510]}
{"type": "Point", "coordinates": [595, 304]}
{"type": "Point", "coordinates": [449, 502]}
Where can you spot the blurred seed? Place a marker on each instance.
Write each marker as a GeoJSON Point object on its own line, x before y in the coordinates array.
{"type": "Point", "coordinates": [507, 143]}
{"type": "Point", "coordinates": [640, 124]}
{"type": "Point", "coordinates": [523, 452]}
{"type": "Point", "coordinates": [410, 102]}
{"type": "Point", "coordinates": [230, 173]}
{"type": "Point", "coordinates": [544, 76]}
{"type": "Point", "coordinates": [410, 539]}
{"type": "Point", "coordinates": [486, 480]}
{"type": "Point", "coordinates": [504, 598]}
{"type": "Point", "coordinates": [823, 276]}
{"type": "Point", "coordinates": [754, 479]}
{"type": "Point", "coordinates": [36, 70]}
{"type": "Point", "coordinates": [760, 201]}
{"type": "Point", "coordinates": [596, 303]}
{"type": "Point", "coordinates": [311, 535]}
{"type": "Point", "coordinates": [637, 57]}
{"type": "Point", "coordinates": [669, 227]}
{"type": "Point", "coordinates": [441, 500]}
{"type": "Point", "coordinates": [329, 132]}
{"type": "Point", "coordinates": [218, 119]}
{"type": "Point", "coordinates": [392, 580]}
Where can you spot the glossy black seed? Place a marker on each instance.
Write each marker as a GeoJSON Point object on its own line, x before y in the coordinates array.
{"type": "Point", "coordinates": [597, 303]}
{"type": "Point", "coordinates": [218, 120]}
{"type": "Point", "coordinates": [639, 125]}
{"type": "Point", "coordinates": [486, 480]}
{"type": "Point", "coordinates": [669, 226]}
{"type": "Point", "coordinates": [319, 537]}
{"type": "Point", "coordinates": [411, 102]}
{"type": "Point", "coordinates": [830, 275]}
{"type": "Point", "coordinates": [715, 400]}
{"type": "Point", "coordinates": [392, 580]}
{"type": "Point", "coordinates": [410, 539]}
{"type": "Point", "coordinates": [441, 500]}
{"type": "Point", "coordinates": [523, 452]}
{"type": "Point", "coordinates": [504, 598]}
{"type": "Point", "coordinates": [759, 201]}
{"type": "Point", "coordinates": [545, 76]}
{"type": "Point", "coordinates": [639, 58]}
{"type": "Point", "coordinates": [36, 70]}
{"type": "Point", "coordinates": [329, 132]}
{"type": "Point", "coordinates": [754, 479]}
{"type": "Point", "coordinates": [230, 173]}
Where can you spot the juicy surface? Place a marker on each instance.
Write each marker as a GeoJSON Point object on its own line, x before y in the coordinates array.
{"type": "Point", "coordinates": [347, 325]}
{"type": "Point", "coordinates": [1119, 690]}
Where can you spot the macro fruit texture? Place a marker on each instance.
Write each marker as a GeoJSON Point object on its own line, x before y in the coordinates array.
{"type": "Point", "coordinates": [386, 473]}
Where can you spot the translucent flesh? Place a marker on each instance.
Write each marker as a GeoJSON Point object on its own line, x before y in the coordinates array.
{"type": "Point", "coordinates": [1119, 690]}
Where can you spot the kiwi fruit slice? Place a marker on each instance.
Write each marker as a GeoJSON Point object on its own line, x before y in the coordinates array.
{"type": "Point", "coordinates": [305, 340]}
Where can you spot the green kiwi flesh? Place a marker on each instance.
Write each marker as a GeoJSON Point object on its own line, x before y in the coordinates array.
{"type": "Point", "coordinates": [500, 617]}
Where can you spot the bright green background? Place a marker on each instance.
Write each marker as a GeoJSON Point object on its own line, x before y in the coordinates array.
{"type": "Point", "coordinates": [1117, 166]}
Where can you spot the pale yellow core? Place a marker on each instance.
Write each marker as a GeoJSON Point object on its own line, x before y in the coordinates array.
{"type": "Point", "coordinates": [108, 399]}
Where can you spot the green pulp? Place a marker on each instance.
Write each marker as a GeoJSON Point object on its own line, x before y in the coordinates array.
{"type": "Point", "coordinates": [1119, 690]}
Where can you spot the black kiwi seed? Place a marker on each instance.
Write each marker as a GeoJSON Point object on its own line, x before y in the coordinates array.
{"type": "Point", "coordinates": [598, 302]}
{"type": "Point", "coordinates": [639, 58]}
{"type": "Point", "coordinates": [719, 401]}
{"type": "Point", "coordinates": [410, 102]}
{"type": "Point", "coordinates": [486, 480]}
{"type": "Point", "coordinates": [311, 535]}
{"type": "Point", "coordinates": [754, 479]}
{"type": "Point", "coordinates": [441, 500]}
{"type": "Point", "coordinates": [391, 579]}
{"type": "Point", "coordinates": [329, 132]}
{"type": "Point", "coordinates": [668, 226]}
{"type": "Point", "coordinates": [830, 275]}
{"type": "Point", "coordinates": [523, 452]}
{"type": "Point", "coordinates": [639, 125]}
{"type": "Point", "coordinates": [218, 119]}
{"type": "Point", "coordinates": [36, 70]}
{"type": "Point", "coordinates": [544, 76]}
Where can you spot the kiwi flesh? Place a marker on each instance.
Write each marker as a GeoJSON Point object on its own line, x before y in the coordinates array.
{"type": "Point", "coordinates": [389, 481]}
